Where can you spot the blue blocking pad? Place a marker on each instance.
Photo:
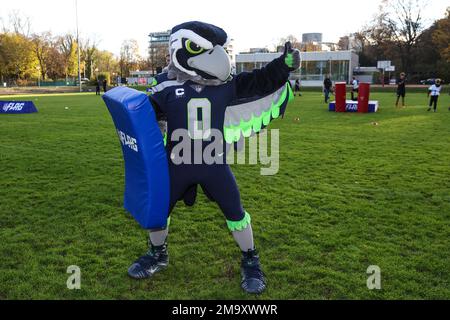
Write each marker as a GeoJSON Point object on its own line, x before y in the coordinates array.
{"type": "Point", "coordinates": [147, 184]}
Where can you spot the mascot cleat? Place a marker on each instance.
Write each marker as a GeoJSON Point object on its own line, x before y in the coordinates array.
{"type": "Point", "coordinates": [156, 260]}
{"type": "Point", "coordinates": [253, 281]}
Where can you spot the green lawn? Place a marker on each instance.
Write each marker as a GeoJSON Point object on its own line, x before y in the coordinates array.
{"type": "Point", "coordinates": [349, 194]}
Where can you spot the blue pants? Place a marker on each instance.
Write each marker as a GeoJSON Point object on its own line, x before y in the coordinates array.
{"type": "Point", "coordinates": [327, 94]}
{"type": "Point", "coordinates": [217, 181]}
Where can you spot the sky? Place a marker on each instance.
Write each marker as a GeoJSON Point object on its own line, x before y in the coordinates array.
{"type": "Point", "coordinates": [251, 23]}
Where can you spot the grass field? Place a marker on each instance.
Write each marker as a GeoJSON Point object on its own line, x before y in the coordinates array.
{"type": "Point", "coordinates": [349, 194]}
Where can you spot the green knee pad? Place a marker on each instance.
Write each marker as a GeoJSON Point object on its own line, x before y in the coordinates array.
{"type": "Point", "coordinates": [239, 225]}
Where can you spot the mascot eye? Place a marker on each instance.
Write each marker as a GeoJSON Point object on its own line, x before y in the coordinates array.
{"type": "Point", "coordinates": [193, 48]}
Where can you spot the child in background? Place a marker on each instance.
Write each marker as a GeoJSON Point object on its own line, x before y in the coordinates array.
{"type": "Point", "coordinates": [297, 88]}
{"type": "Point", "coordinates": [433, 92]}
{"type": "Point", "coordinates": [355, 89]}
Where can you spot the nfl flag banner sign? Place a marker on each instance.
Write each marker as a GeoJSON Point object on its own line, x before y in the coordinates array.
{"type": "Point", "coordinates": [352, 106]}
{"type": "Point", "coordinates": [17, 107]}
{"type": "Point", "coordinates": [147, 189]}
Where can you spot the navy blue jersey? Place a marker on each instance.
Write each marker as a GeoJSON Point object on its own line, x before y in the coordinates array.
{"type": "Point", "coordinates": [197, 108]}
{"type": "Point", "coordinates": [192, 106]}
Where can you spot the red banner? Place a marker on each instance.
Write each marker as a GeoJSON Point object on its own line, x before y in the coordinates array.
{"type": "Point", "coordinates": [363, 98]}
{"type": "Point", "coordinates": [341, 92]}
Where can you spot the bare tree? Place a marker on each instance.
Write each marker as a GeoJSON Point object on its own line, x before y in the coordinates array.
{"type": "Point", "coordinates": [20, 24]}
{"type": "Point", "coordinates": [292, 39]}
{"type": "Point", "coordinates": [4, 26]}
{"type": "Point", "coordinates": [404, 24]}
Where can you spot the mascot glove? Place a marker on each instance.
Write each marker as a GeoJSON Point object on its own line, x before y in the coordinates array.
{"type": "Point", "coordinates": [291, 57]}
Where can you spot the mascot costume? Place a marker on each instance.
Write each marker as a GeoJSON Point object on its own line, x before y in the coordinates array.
{"type": "Point", "coordinates": [196, 94]}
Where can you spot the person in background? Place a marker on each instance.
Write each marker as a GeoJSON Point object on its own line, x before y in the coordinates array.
{"type": "Point", "coordinates": [355, 88]}
{"type": "Point", "coordinates": [105, 85]}
{"type": "Point", "coordinates": [327, 86]}
{"type": "Point", "coordinates": [297, 88]}
{"type": "Point", "coordinates": [97, 88]}
{"type": "Point", "coordinates": [433, 92]}
{"type": "Point", "coordinates": [401, 89]}
{"type": "Point", "coordinates": [166, 68]}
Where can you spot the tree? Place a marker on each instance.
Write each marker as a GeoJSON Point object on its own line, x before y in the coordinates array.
{"type": "Point", "coordinates": [88, 55]}
{"type": "Point", "coordinates": [42, 44]}
{"type": "Point", "coordinates": [55, 65]}
{"type": "Point", "coordinates": [107, 62]}
{"type": "Point", "coordinates": [376, 39]}
{"type": "Point", "coordinates": [398, 33]}
{"type": "Point", "coordinates": [296, 44]}
{"type": "Point", "coordinates": [441, 37]}
{"type": "Point", "coordinates": [68, 47]}
{"type": "Point", "coordinates": [129, 57]}
{"type": "Point", "coordinates": [17, 58]}
{"type": "Point", "coordinates": [17, 23]}
{"type": "Point", "coordinates": [157, 59]}
{"type": "Point", "coordinates": [404, 24]}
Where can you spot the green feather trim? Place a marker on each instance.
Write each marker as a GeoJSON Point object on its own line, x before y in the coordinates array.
{"type": "Point", "coordinates": [233, 133]}
{"type": "Point", "coordinates": [291, 94]}
{"type": "Point", "coordinates": [239, 225]}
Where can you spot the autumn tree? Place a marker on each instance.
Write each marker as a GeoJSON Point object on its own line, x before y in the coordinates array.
{"type": "Point", "coordinates": [68, 47]}
{"type": "Point", "coordinates": [17, 57]}
{"type": "Point", "coordinates": [441, 36]}
{"type": "Point", "coordinates": [42, 44]}
{"type": "Point", "coordinates": [24, 54]}
{"type": "Point", "coordinates": [129, 57]}
{"type": "Point", "coordinates": [107, 62]}
{"type": "Point", "coordinates": [56, 63]}
{"type": "Point", "coordinates": [398, 33]}
{"type": "Point", "coordinates": [88, 56]}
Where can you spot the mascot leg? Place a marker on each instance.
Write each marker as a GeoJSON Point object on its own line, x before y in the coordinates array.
{"type": "Point", "coordinates": [222, 187]}
{"type": "Point", "coordinates": [158, 238]}
{"type": "Point", "coordinates": [244, 239]}
{"type": "Point", "coordinates": [252, 276]}
{"type": "Point", "coordinates": [156, 259]}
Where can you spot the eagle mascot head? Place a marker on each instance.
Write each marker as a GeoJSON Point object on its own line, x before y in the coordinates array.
{"type": "Point", "coordinates": [198, 53]}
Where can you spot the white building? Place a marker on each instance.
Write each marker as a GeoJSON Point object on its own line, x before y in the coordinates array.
{"type": "Point", "coordinates": [315, 65]}
{"type": "Point", "coordinates": [312, 37]}
{"type": "Point", "coordinates": [231, 53]}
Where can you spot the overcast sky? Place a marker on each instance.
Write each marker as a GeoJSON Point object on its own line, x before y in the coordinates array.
{"type": "Point", "coordinates": [252, 23]}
